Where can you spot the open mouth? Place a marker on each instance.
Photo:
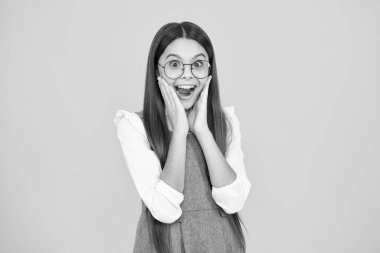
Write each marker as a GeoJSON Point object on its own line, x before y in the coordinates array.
{"type": "Point", "coordinates": [185, 91]}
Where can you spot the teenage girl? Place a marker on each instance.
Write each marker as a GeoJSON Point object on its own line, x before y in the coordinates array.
{"type": "Point", "coordinates": [183, 150]}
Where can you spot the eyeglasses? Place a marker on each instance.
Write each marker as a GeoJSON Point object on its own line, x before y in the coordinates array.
{"type": "Point", "coordinates": [174, 69]}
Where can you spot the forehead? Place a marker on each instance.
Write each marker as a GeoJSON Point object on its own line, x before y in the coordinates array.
{"type": "Point", "coordinates": [185, 48]}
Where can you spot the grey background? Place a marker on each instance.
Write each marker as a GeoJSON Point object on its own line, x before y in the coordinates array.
{"type": "Point", "coordinates": [302, 75]}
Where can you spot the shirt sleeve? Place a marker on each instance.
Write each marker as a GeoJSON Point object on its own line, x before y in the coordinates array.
{"type": "Point", "coordinates": [231, 197]}
{"type": "Point", "coordinates": [161, 199]}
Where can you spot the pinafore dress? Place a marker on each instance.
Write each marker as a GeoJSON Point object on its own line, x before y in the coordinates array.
{"type": "Point", "coordinates": [203, 226]}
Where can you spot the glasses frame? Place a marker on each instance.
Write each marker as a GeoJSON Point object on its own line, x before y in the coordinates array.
{"type": "Point", "coordinates": [183, 69]}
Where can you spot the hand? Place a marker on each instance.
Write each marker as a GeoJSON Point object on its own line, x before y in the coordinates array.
{"type": "Point", "coordinates": [173, 107]}
{"type": "Point", "coordinates": [198, 116]}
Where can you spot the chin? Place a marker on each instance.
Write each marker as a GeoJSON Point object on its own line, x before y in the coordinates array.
{"type": "Point", "coordinates": [187, 106]}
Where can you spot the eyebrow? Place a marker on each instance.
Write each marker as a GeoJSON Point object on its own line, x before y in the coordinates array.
{"type": "Point", "coordinates": [176, 55]}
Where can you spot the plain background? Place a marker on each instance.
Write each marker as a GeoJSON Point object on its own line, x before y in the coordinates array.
{"type": "Point", "coordinates": [303, 77]}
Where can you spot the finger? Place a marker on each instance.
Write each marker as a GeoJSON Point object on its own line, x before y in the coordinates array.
{"type": "Point", "coordinates": [169, 92]}
{"type": "Point", "coordinates": [175, 97]}
{"type": "Point", "coordinates": [207, 87]}
{"type": "Point", "coordinates": [168, 100]}
{"type": "Point", "coordinates": [167, 89]}
{"type": "Point", "coordinates": [172, 94]}
{"type": "Point", "coordinates": [163, 91]}
{"type": "Point", "coordinates": [204, 94]}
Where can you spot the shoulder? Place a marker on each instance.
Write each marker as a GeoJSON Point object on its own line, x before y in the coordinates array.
{"type": "Point", "coordinates": [233, 127]}
{"type": "Point", "coordinates": [231, 116]}
{"type": "Point", "coordinates": [229, 111]}
{"type": "Point", "coordinates": [129, 119]}
{"type": "Point", "coordinates": [125, 118]}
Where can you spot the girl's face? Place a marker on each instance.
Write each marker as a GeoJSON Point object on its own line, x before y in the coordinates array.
{"type": "Point", "coordinates": [187, 51]}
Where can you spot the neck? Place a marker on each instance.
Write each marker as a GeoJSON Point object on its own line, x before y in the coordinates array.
{"type": "Point", "coordinates": [188, 110]}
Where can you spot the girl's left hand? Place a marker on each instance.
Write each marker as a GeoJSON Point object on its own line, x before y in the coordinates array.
{"type": "Point", "coordinates": [197, 118]}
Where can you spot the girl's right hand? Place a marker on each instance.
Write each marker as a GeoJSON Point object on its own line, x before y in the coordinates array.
{"type": "Point", "coordinates": [173, 107]}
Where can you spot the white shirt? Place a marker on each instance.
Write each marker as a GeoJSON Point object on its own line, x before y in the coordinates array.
{"type": "Point", "coordinates": [144, 166]}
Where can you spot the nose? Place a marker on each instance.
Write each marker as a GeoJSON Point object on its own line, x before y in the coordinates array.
{"type": "Point", "coordinates": [187, 72]}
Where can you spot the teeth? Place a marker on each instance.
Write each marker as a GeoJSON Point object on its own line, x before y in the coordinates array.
{"type": "Point", "coordinates": [186, 86]}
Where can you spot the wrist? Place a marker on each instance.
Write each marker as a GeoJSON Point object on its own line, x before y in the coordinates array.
{"type": "Point", "coordinates": [202, 132]}
{"type": "Point", "coordinates": [179, 132]}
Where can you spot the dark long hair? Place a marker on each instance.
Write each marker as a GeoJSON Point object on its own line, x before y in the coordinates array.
{"type": "Point", "coordinates": [154, 118]}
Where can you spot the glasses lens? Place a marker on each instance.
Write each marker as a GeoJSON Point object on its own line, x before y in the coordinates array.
{"type": "Point", "coordinates": [173, 69]}
{"type": "Point", "coordinates": [200, 68]}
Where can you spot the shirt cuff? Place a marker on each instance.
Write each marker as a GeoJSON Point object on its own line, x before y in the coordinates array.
{"type": "Point", "coordinates": [169, 192]}
{"type": "Point", "coordinates": [231, 190]}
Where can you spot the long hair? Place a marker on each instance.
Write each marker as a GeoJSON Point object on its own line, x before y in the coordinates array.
{"type": "Point", "coordinates": [154, 118]}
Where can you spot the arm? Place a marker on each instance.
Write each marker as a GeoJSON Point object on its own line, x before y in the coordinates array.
{"type": "Point", "coordinates": [230, 185]}
{"type": "Point", "coordinates": [221, 173]}
{"type": "Point", "coordinates": [160, 195]}
{"type": "Point", "coordinates": [174, 170]}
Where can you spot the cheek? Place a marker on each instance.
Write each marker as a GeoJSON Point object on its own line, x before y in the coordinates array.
{"type": "Point", "coordinates": [203, 83]}
{"type": "Point", "coordinates": [161, 73]}
{"type": "Point", "coordinates": [169, 81]}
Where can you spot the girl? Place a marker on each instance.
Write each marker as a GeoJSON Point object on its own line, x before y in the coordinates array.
{"type": "Point", "coordinates": [183, 150]}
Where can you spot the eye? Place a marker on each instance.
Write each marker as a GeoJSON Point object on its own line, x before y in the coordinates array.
{"type": "Point", "coordinates": [198, 64]}
{"type": "Point", "coordinates": [174, 64]}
